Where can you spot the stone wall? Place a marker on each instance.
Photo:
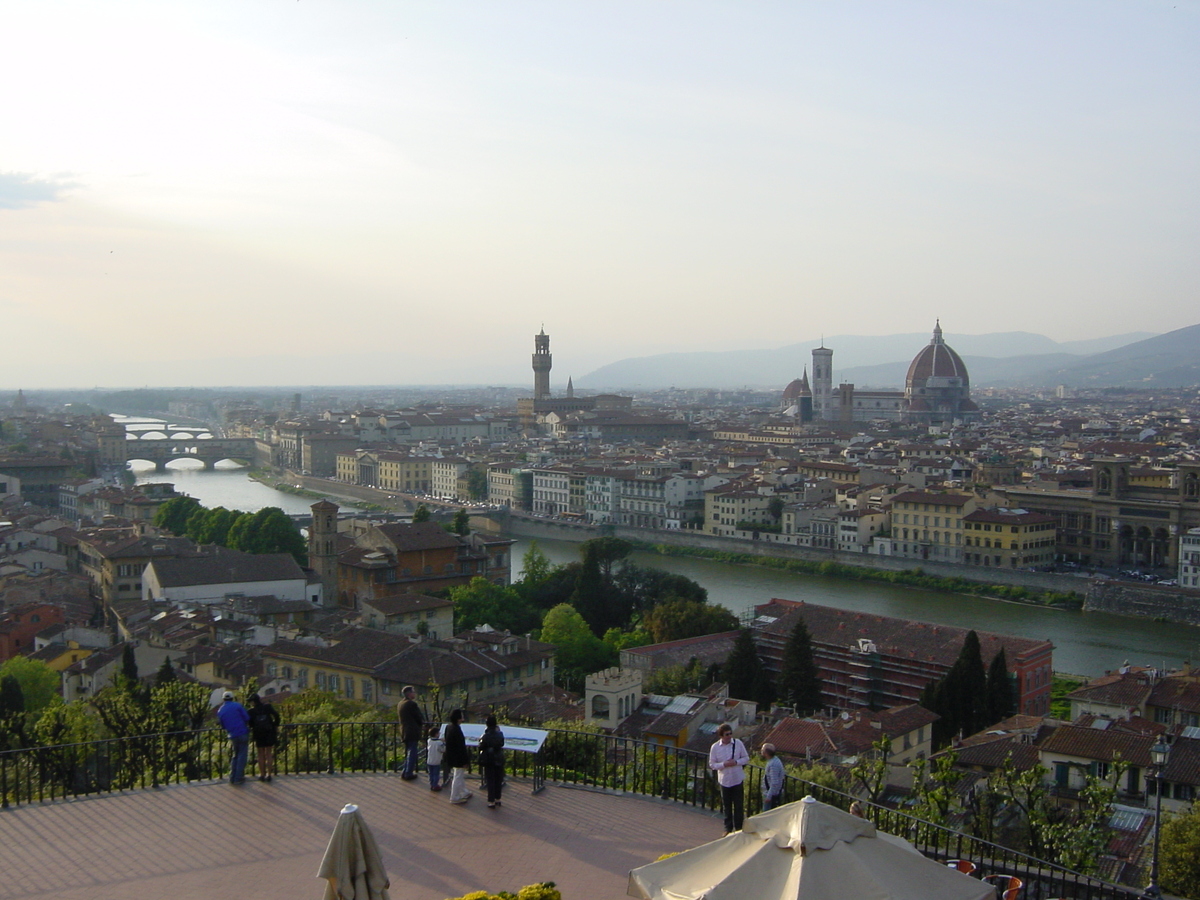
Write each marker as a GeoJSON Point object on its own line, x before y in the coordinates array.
{"type": "Point", "coordinates": [1124, 598]}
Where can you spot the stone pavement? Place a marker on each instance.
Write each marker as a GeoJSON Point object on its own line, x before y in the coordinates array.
{"type": "Point", "coordinates": [266, 840]}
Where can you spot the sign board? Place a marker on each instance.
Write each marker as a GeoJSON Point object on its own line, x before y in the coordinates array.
{"type": "Point", "coordinates": [527, 740]}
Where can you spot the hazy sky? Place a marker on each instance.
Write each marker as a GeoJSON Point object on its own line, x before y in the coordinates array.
{"type": "Point", "coordinates": [389, 192]}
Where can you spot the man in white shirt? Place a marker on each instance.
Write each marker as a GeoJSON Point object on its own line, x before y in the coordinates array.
{"type": "Point", "coordinates": [727, 758]}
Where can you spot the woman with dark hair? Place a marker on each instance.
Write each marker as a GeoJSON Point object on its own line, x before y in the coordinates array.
{"type": "Point", "coordinates": [457, 758]}
{"type": "Point", "coordinates": [264, 728]}
{"type": "Point", "coordinates": [491, 758]}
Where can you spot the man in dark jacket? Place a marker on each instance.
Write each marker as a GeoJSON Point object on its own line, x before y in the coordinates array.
{"type": "Point", "coordinates": [412, 726]}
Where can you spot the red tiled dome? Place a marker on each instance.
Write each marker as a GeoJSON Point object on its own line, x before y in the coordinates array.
{"type": "Point", "coordinates": [936, 360]}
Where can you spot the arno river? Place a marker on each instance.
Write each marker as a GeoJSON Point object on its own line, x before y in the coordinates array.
{"type": "Point", "coordinates": [1085, 643]}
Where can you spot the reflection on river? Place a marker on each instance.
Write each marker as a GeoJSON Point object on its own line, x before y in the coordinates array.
{"type": "Point", "coordinates": [1086, 643]}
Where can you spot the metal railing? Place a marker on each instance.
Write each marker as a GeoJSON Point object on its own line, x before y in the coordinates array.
{"type": "Point", "coordinates": [597, 761]}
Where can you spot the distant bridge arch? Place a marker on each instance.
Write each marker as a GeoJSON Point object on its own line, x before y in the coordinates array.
{"type": "Point", "coordinates": [208, 451]}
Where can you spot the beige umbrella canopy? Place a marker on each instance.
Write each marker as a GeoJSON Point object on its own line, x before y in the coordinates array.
{"type": "Point", "coordinates": [805, 851]}
{"type": "Point", "coordinates": [351, 863]}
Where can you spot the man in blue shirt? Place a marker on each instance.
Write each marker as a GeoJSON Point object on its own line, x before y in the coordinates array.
{"type": "Point", "coordinates": [236, 722]}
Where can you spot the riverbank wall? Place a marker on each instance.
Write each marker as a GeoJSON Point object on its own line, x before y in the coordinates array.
{"type": "Point", "coordinates": [1149, 601]}
{"type": "Point", "coordinates": [550, 529]}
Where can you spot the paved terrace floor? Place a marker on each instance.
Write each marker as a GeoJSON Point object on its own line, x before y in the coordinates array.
{"type": "Point", "coordinates": [266, 840]}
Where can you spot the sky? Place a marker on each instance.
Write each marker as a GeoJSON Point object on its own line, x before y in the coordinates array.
{"type": "Point", "coordinates": [309, 192]}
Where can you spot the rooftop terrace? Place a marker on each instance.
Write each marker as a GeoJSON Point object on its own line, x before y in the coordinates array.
{"type": "Point", "coordinates": [266, 840]}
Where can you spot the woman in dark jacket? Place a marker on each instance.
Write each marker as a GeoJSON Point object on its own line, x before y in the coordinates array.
{"type": "Point", "coordinates": [264, 728]}
{"type": "Point", "coordinates": [491, 757]}
{"type": "Point", "coordinates": [457, 758]}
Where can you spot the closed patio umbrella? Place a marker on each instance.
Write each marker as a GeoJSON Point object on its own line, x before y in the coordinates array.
{"type": "Point", "coordinates": [351, 864]}
{"type": "Point", "coordinates": [804, 851]}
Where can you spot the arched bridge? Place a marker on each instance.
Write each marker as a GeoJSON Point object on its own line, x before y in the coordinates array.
{"type": "Point", "coordinates": [161, 451]}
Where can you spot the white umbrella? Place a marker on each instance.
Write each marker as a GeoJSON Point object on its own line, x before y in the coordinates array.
{"type": "Point", "coordinates": [805, 851]}
{"type": "Point", "coordinates": [351, 863]}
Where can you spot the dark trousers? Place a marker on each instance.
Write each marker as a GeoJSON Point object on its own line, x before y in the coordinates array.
{"type": "Point", "coordinates": [410, 760]}
{"type": "Point", "coordinates": [237, 762]}
{"type": "Point", "coordinates": [493, 777]}
{"type": "Point", "coordinates": [733, 802]}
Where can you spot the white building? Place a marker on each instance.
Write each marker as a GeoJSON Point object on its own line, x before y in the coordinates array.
{"type": "Point", "coordinates": [1189, 558]}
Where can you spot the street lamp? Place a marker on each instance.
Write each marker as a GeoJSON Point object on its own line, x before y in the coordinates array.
{"type": "Point", "coordinates": [1158, 759]}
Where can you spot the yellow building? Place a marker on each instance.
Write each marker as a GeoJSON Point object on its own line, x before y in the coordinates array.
{"type": "Point", "coordinates": [929, 524]}
{"type": "Point", "coordinates": [1008, 538]}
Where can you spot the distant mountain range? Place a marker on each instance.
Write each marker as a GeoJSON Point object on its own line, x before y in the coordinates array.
{"type": "Point", "coordinates": [1002, 359]}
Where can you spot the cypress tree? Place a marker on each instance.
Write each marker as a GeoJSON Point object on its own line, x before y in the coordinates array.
{"type": "Point", "coordinates": [1000, 701]}
{"type": "Point", "coordinates": [166, 673]}
{"type": "Point", "coordinates": [129, 669]}
{"type": "Point", "coordinates": [744, 672]}
{"type": "Point", "coordinates": [799, 681]}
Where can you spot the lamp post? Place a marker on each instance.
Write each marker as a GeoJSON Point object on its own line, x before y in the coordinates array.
{"type": "Point", "coordinates": [1158, 758]}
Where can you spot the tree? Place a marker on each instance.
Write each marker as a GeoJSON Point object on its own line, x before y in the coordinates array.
{"type": "Point", "coordinates": [535, 566]}
{"type": "Point", "coordinates": [166, 673]}
{"type": "Point", "coordinates": [607, 552]}
{"type": "Point", "coordinates": [477, 484]}
{"type": "Point", "coordinates": [799, 683]}
{"type": "Point", "coordinates": [1179, 859]}
{"type": "Point", "coordinates": [12, 713]}
{"type": "Point", "coordinates": [215, 527]}
{"type": "Point", "coordinates": [579, 651]}
{"type": "Point", "coordinates": [590, 597]}
{"type": "Point", "coordinates": [1000, 701]}
{"type": "Point", "coordinates": [420, 514]}
{"type": "Point", "coordinates": [744, 672]}
{"type": "Point", "coordinates": [462, 523]}
{"type": "Point", "coordinates": [673, 620]}
{"type": "Point", "coordinates": [129, 667]}
{"type": "Point", "coordinates": [268, 531]}
{"type": "Point", "coordinates": [961, 696]}
{"type": "Point", "coordinates": [40, 684]}
{"type": "Point", "coordinates": [174, 514]}
{"type": "Point", "coordinates": [483, 603]}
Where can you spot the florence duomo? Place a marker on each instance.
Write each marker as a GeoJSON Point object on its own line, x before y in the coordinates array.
{"type": "Point", "coordinates": [937, 391]}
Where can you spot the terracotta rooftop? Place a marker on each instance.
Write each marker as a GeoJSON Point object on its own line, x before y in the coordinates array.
{"type": "Point", "coordinates": [265, 841]}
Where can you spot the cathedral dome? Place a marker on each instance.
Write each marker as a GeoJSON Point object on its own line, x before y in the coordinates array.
{"type": "Point", "coordinates": [936, 360]}
{"type": "Point", "coordinates": [797, 388]}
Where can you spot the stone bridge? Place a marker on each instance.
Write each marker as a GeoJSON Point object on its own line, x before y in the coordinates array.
{"type": "Point", "coordinates": [161, 451]}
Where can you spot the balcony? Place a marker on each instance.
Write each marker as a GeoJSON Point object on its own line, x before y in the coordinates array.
{"type": "Point", "coordinates": [149, 816]}
{"type": "Point", "coordinates": [259, 840]}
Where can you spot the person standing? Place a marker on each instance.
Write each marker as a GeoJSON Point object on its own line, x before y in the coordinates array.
{"type": "Point", "coordinates": [412, 726]}
{"type": "Point", "coordinates": [236, 722]}
{"type": "Point", "coordinates": [491, 759]}
{"type": "Point", "coordinates": [456, 758]}
{"type": "Point", "coordinates": [435, 747]}
{"type": "Point", "coordinates": [728, 758]}
{"type": "Point", "coordinates": [772, 783]}
{"type": "Point", "coordinates": [264, 727]}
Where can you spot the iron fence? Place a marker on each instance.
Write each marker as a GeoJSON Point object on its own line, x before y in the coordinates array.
{"type": "Point", "coordinates": [598, 761]}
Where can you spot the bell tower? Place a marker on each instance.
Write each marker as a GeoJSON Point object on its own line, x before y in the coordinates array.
{"type": "Point", "coordinates": [323, 549]}
{"type": "Point", "coordinates": [541, 365]}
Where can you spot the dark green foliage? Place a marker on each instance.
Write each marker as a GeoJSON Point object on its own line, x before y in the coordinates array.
{"type": "Point", "coordinates": [174, 514]}
{"type": "Point", "coordinates": [420, 514]}
{"type": "Point", "coordinates": [607, 551]}
{"type": "Point", "coordinates": [477, 485]}
{"type": "Point", "coordinates": [12, 713]}
{"type": "Point", "coordinates": [961, 696]}
{"type": "Point", "coordinates": [215, 527]}
{"type": "Point", "coordinates": [673, 620]}
{"type": "Point", "coordinates": [166, 673]}
{"type": "Point", "coordinates": [799, 684]}
{"type": "Point", "coordinates": [1000, 701]}
{"type": "Point", "coordinates": [744, 672]}
{"type": "Point", "coordinates": [462, 523]}
{"type": "Point", "coordinates": [647, 587]}
{"type": "Point", "coordinates": [593, 598]}
{"type": "Point", "coordinates": [579, 652]}
{"type": "Point", "coordinates": [129, 669]}
{"type": "Point", "coordinates": [484, 603]}
{"type": "Point", "coordinates": [267, 531]}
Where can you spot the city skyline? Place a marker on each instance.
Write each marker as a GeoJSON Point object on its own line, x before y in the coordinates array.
{"type": "Point", "coordinates": [203, 195]}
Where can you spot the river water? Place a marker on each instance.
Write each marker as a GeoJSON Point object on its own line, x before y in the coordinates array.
{"type": "Point", "coordinates": [1085, 643]}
